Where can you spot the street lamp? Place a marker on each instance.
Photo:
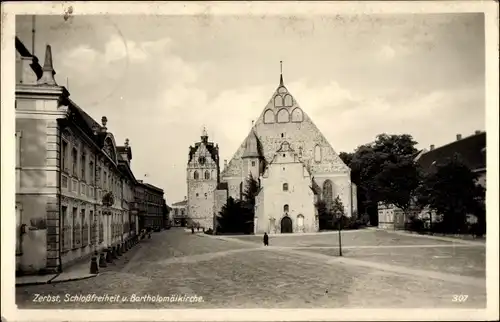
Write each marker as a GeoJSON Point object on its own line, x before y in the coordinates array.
{"type": "Point", "coordinates": [339, 216]}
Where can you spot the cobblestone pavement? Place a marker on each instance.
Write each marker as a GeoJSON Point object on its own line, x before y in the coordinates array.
{"type": "Point", "coordinates": [231, 274]}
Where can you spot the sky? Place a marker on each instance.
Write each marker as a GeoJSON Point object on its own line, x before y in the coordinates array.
{"type": "Point", "coordinates": [160, 79]}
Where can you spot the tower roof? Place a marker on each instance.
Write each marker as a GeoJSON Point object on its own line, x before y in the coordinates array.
{"type": "Point", "coordinates": [252, 146]}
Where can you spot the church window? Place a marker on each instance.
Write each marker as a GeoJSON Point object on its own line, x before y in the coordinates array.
{"type": "Point", "coordinates": [297, 115]}
{"type": "Point", "coordinates": [268, 117]}
{"type": "Point", "coordinates": [328, 192]}
{"type": "Point", "coordinates": [282, 135]}
{"type": "Point", "coordinates": [288, 100]}
{"type": "Point", "coordinates": [285, 187]}
{"type": "Point", "coordinates": [317, 153]}
{"type": "Point", "coordinates": [283, 116]}
{"type": "Point", "coordinates": [285, 208]}
{"type": "Point", "coordinates": [205, 196]}
{"type": "Point", "coordinates": [253, 163]}
{"type": "Point", "coordinates": [196, 175]}
{"type": "Point", "coordinates": [284, 155]}
{"type": "Point", "coordinates": [207, 175]}
{"type": "Point", "coordinates": [278, 101]}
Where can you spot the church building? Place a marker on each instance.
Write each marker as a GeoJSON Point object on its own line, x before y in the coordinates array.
{"type": "Point", "coordinates": [291, 159]}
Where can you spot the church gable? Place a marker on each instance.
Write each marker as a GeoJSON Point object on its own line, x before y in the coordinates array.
{"type": "Point", "coordinates": [283, 120]}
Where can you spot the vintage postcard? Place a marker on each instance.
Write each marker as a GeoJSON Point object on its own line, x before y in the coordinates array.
{"type": "Point", "coordinates": [250, 161]}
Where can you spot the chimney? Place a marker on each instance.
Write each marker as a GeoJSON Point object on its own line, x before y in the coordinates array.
{"type": "Point", "coordinates": [252, 123]}
{"type": "Point", "coordinates": [477, 132]}
{"type": "Point", "coordinates": [185, 198]}
{"type": "Point", "coordinates": [127, 143]}
{"type": "Point", "coordinates": [432, 147]}
{"type": "Point", "coordinates": [225, 163]}
{"type": "Point", "coordinates": [459, 137]}
{"type": "Point", "coordinates": [104, 120]}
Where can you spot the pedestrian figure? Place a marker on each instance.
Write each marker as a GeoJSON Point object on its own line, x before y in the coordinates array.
{"type": "Point", "coordinates": [266, 239]}
{"type": "Point", "coordinates": [198, 228]}
{"type": "Point", "coordinates": [192, 230]}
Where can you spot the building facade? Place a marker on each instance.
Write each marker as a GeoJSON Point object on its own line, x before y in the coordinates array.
{"type": "Point", "coordinates": [179, 213]}
{"type": "Point", "coordinates": [202, 179]}
{"type": "Point", "coordinates": [293, 162]}
{"type": "Point", "coordinates": [149, 201]}
{"type": "Point", "coordinates": [72, 191]}
{"type": "Point", "coordinates": [472, 151]}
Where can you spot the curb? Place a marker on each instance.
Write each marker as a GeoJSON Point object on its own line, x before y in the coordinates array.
{"type": "Point", "coordinates": [71, 279]}
{"type": "Point", "coordinates": [51, 281]}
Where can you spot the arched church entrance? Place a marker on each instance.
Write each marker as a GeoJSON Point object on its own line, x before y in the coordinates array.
{"type": "Point", "coordinates": [286, 225]}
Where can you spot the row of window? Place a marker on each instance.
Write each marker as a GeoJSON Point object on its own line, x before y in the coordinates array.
{"type": "Point", "coordinates": [178, 212]}
{"type": "Point", "coordinates": [206, 174]}
{"type": "Point", "coordinates": [88, 172]}
{"type": "Point", "coordinates": [154, 198]}
{"type": "Point", "coordinates": [80, 231]}
{"type": "Point", "coordinates": [280, 101]}
{"type": "Point", "coordinates": [283, 116]}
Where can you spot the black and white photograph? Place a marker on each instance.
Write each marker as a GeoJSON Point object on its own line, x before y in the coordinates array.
{"type": "Point", "coordinates": [253, 155]}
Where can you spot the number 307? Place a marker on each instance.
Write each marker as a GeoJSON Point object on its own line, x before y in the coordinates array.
{"type": "Point", "coordinates": [460, 298]}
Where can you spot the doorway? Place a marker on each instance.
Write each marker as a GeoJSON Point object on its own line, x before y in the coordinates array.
{"type": "Point", "coordinates": [286, 225]}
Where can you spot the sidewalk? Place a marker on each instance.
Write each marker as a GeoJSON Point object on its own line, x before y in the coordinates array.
{"type": "Point", "coordinates": [76, 272]}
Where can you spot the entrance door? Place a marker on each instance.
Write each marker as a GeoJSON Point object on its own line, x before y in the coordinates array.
{"type": "Point", "coordinates": [286, 225]}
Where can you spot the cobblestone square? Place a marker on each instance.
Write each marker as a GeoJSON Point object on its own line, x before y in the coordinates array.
{"type": "Point", "coordinates": [238, 272]}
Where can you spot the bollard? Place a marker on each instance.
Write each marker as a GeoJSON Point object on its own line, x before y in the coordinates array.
{"type": "Point", "coordinates": [113, 252]}
{"type": "Point", "coordinates": [94, 267]}
{"type": "Point", "coordinates": [102, 260]}
{"type": "Point", "coordinates": [109, 255]}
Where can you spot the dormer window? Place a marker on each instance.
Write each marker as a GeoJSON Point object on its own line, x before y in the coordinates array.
{"type": "Point", "coordinates": [285, 187]}
{"type": "Point", "coordinates": [253, 163]}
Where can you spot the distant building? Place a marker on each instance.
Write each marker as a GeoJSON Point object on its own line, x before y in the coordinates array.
{"type": "Point", "coordinates": [179, 213]}
{"type": "Point", "coordinates": [202, 179]}
{"type": "Point", "coordinates": [472, 151]}
{"type": "Point", "coordinates": [149, 201]}
{"type": "Point", "coordinates": [73, 183]}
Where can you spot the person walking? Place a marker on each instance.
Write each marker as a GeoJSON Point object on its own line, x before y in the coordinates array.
{"type": "Point", "coordinates": [266, 239]}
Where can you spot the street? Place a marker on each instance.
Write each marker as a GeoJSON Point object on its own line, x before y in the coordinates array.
{"type": "Point", "coordinates": [377, 270]}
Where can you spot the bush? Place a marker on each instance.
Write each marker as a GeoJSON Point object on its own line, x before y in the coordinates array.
{"type": "Point", "coordinates": [416, 224]}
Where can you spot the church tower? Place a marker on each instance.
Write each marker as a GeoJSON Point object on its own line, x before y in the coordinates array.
{"type": "Point", "coordinates": [202, 178]}
{"type": "Point", "coordinates": [252, 158]}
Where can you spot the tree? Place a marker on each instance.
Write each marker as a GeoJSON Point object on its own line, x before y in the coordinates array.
{"type": "Point", "coordinates": [252, 188]}
{"type": "Point", "coordinates": [230, 217]}
{"type": "Point", "coordinates": [397, 183]}
{"type": "Point", "coordinates": [324, 215]}
{"type": "Point", "coordinates": [370, 160]}
{"type": "Point", "coordinates": [451, 190]}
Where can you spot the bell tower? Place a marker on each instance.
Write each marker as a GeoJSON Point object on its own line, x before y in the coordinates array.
{"type": "Point", "coordinates": [202, 178]}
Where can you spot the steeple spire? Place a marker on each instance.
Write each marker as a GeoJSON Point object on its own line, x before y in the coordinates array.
{"type": "Point", "coordinates": [204, 135]}
{"type": "Point", "coordinates": [281, 73]}
{"type": "Point", "coordinates": [48, 69]}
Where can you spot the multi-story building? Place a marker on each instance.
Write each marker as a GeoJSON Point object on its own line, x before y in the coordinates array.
{"type": "Point", "coordinates": [149, 201]}
{"type": "Point", "coordinates": [73, 186]}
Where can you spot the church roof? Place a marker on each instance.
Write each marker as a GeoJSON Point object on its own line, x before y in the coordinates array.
{"type": "Point", "coordinates": [281, 120]}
